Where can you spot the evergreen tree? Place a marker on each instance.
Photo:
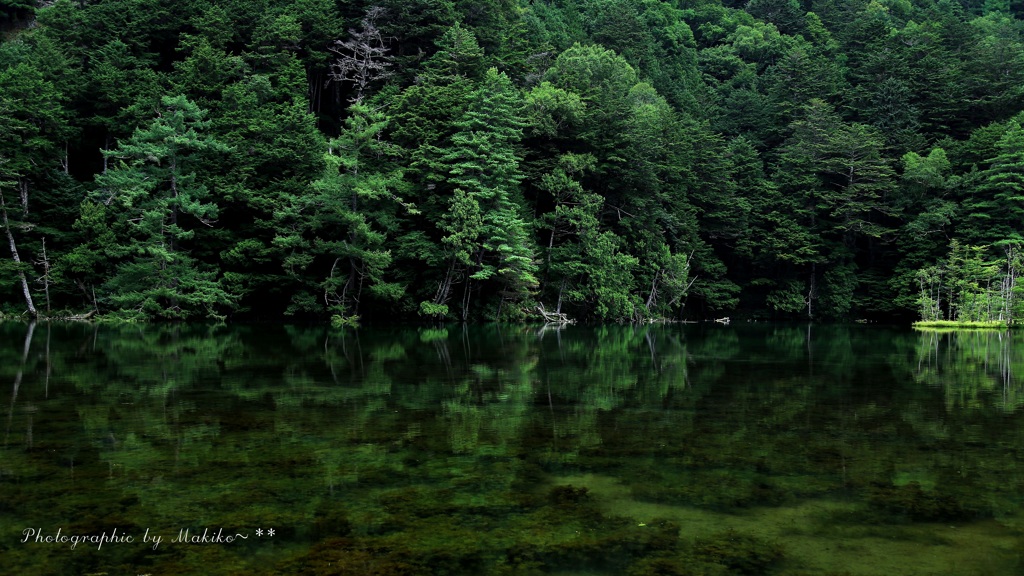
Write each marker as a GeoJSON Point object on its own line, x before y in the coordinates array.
{"type": "Point", "coordinates": [995, 210]}
{"type": "Point", "coordinates": [484, 169]}
{"type": "Point", "coordinates": [156, 201]}
{"type": "Point", "coordinates": [278, 152]}
{"type": "Point", "coordinates": [926, 199]}
{"type": "Point", "coordinates": [839, 182]}
{"type": "Point", "coordinates": [335, 236]}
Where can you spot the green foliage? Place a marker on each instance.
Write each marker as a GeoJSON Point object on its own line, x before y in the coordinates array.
{"type": "Point", "coordinates": [434, 310]}
{"type": "Point", "coordinates": [996, 208]}
{"type": "Point", "coordinates": [836, 183]}
{"type": "Point", "coordinates": [32, 120]}
{"type": "Point", "coordinates": [610, 160]}
{"type": "Point", "coordinates": [968, 287]}
{"type": "Point", "coordinates": [150, 194]}
{"type": "Point", "coordinates": [335, 235]}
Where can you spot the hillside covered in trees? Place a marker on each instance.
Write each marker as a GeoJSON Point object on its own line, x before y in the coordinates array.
{"type": "Point", "coordinates": [614, 160]}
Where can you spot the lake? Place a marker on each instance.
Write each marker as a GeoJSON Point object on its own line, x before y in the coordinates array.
{"type": "Point", "coordinates": [668, 449]}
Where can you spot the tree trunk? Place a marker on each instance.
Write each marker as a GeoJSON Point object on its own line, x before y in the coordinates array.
{"type": "Point", "coordinates": [23, 191]}
{"type": "Point", "coordinates": [810, 293]}
{"type": "Point", "coordinates": [46, 276]}
{"type": "Point", "coordinates": [442, 289]}
{"type": "Point", "coordinates": [17, 259]}
{"type": "Point", "coordinates": [651, 298]}
{"type": "Point", "coordinates": [465, 300]}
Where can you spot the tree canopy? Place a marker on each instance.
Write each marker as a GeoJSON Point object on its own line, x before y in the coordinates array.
{"type": "Point", "coordinates": [446, 160]}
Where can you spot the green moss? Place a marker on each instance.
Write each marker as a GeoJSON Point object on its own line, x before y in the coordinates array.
{"type": "Point", "coordinates": [721, 554]}
{"type": "Point", "coordinates": [329, 522]}
{"type": "Point", "coordinates": [417, 502]}
{"type": "Point", "coordinates": [675, 565]}
{"type": "Point", "coordinates": [716, 489]}
{"type": "Point", "coordinates": [609, 544]}
{"type": "Point", "coordinates": [740, 553]}
{"type": "Point", "coordinates": [346, 557]}
{"type": "Point", "coordinates": [563, 496]}
{"type": "Point", "coordinates": [914, 503]}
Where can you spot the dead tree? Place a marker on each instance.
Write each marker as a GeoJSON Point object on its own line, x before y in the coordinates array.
{"type": "Point", "coordinates": [363, 58]}
{"type": "Point", "coordinates": [17, 259]}
{"type": "Point", "coordinates": [45, 278]}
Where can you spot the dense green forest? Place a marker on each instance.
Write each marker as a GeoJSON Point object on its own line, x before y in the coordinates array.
{"type": "Point", "coordinates": [611, 160]}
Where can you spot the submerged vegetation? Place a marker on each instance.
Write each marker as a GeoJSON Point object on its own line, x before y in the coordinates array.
{"type": "Point", "coordinates": [597, 160]}
{"type": "Point", "coordinates": [491, 450]}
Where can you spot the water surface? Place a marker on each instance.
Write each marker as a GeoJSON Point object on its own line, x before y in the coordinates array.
{"type": "Point", "coordinates": [794, 450]}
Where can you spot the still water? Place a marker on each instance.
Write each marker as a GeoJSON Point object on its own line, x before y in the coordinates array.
{"type": "Point", "coordinates": [675, 450]}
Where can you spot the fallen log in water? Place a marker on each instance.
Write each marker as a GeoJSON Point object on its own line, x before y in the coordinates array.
{"type": "Point", "coordinates": [554, 317]}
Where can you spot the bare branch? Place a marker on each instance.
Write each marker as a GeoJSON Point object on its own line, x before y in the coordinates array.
{"type": "Point", "coordinates": [363, 58]}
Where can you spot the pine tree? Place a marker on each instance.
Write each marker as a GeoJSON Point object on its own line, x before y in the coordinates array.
{"type": "Point", "coordinates": [336, 235]}
{"type": "Point", "coordinates": [155, 199]}
{"type": "Point", "coordinates": [484, 165]}
{"type": "Point", "coordinates": [836, 183]}
{"type": "Point", "coordinates": [996, 209]}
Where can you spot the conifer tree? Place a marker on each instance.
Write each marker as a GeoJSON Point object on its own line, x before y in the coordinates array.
{"type": "Point", "coordinates": [336, 235]}
{"type": "Point", "coordinates": [996, 209]}
{"type": "Point", "coordinates": [484, 166]}
{"type": "Point", "coordinates": [156, 200]}
{"type": "Point", "coordinates": [835, 182]}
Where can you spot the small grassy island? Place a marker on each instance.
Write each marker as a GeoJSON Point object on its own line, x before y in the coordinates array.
{"type": "Point", "coordinates": [960, 325]}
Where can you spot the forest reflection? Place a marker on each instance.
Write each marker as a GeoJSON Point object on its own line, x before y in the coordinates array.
{"type": "Point", "coordinates": [377, 434]}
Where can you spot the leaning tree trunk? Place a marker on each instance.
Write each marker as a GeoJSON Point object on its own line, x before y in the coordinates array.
{"type": "Point", "coordinates": [17, 259]}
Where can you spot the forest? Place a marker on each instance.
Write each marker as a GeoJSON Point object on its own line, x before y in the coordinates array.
{"type": "Point", "coordinates": [482, 160]}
